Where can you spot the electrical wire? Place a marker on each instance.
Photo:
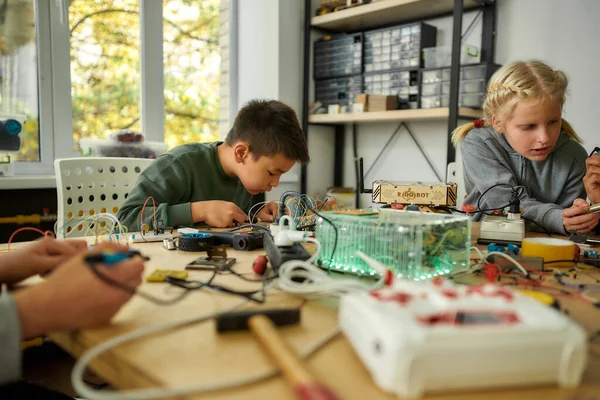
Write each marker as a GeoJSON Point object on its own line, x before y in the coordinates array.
{"type": "Point", "coordinates": [188, 285]}
{"type": "Point", "coordinates": [27, 228]}
{"type": "Point", "coordinates": [305, 279]}
{"type": "Point", "coordinates": [335, 231]}
{"type": "Point", "coordinates": [514, 189]}
{"type": "Point", "coordinates": [148, 394]}
{"type": "Point", "coordinates": [256, 226]}
{"type": "Point", "coordinates": [509, 258]}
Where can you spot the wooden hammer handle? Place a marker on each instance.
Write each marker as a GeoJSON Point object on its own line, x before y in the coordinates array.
{"type": "Point", "coordinates": [290, 365]}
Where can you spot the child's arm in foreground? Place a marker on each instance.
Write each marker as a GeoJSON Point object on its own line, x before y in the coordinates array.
{"type": "Point", "coordinates": [72, 297]}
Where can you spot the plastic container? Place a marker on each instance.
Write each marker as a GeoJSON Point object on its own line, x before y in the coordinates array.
{"type": "Point", "coordinates": [472, 86]}
{"type": "Point", "coordinates": [113, 148]}
{"type": "Point", "coordinates": [442, 56]}
{"type": "Point", "coordinates": [474, 72]}
{"type": "Point", "coordinates": [431, 101]}
{"type": "Point", "coordinates": [429, 89]}
{"type": "Point", "coordinates": [472, 100]}
{"type": "Point", "coordinates": [409, 243]}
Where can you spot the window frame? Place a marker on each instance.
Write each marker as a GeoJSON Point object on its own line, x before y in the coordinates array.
{"type": "Point", "coordinates": [55, 108]}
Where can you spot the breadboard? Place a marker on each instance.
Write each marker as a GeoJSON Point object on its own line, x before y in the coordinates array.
{"type": "Point", "coordinates": [150, 237]}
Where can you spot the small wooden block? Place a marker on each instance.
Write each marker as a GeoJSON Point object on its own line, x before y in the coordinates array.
{"type": "Point", "coordinates": [355, 212]}
{"type": "Point", "coordinates": [159, 275]}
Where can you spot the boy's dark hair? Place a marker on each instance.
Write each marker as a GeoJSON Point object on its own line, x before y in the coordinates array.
{"type": "Point", "coordinates": [269, 127]}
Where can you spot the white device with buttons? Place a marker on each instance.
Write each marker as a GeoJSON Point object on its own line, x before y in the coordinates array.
{"type": "Point", "coordinates": [501, 228]}
{"type": "Point", "coordinates": [418, 337]}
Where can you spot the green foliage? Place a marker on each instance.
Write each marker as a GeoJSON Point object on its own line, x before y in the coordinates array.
{"type": "Point", "coordinates": [105, 70]}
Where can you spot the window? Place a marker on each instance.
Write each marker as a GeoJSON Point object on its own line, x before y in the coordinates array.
{"type": "Point", "coordinates": [191, 71]}
{"type": "Point", "coordinates": [105, 67]}
{"type": "Point", "coordinates": [91, 61]}
{"type": "Point", "coordinates": [18, 75]}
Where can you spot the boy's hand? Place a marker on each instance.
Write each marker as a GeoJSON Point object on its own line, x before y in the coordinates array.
{"type": "Point", "coordinates": [268, 212]}
{"type": "Point", "coordinates": [38, 257]}
{"type": "Point", "coordinates": [575, 220]}
{"type": "Point", "coordinates": [73, 297]}
{"type": "Point", "coordinates": [218, 213]}
{"type": "Point", "coordinates": [591, 179]}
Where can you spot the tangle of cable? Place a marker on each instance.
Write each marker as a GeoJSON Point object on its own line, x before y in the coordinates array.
{"type": "Point", "coordinates": [148, 394]}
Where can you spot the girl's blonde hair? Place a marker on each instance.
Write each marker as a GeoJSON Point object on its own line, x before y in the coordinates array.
{"type": "Point", "coordinates": [518, 81]}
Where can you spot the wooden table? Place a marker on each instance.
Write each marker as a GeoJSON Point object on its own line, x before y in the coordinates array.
{"type": "Point", "coordinates": [197, 354]}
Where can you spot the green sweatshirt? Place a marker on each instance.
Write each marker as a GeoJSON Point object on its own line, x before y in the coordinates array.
{"type": "Point", "coordinates": [188, 173]}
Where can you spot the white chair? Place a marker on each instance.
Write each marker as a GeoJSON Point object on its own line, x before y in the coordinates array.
{"type": "Point", "coordinates": [92, 185]}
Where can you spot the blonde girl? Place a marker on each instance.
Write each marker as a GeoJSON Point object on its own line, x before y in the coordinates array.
{"type": "Point", "coordinates": [522, 141]}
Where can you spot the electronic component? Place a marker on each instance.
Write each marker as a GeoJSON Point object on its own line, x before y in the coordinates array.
{"type": "Point", "coordinates": [412, 338]}
{"type": "Point", "coordinates": [238, 320]}
{"type": "Point", "coordinates": [500, 229]}
{"type": "Point", "coordinates": [511, 248]}
{"type": "Point", "coordinates": [412, 244]}
{"type": "Point", "coordinates": [594, 208]}
{"type": "Point", "coordinates": [245, 241]}
{"type": "Point", "coordinates": [216, 259]}
{"type": "Point", "coordinates": [536, 263]}
{"type": "Point", "coordinates": [277, 255]}
{"type": "Point", "coordinates": [259, 266]}
{"type": "Point", "coordinates": [150, 237]}
{"type": "Point", "coordinates": [423, 194]}
{"type": "Point", "coordinates": [169, 244]}
{"type": "Point", "coordinates": [159, 275]}
{"type": "Point", "coordinates": [431, 194]}
{"type": "Point", "coordinates": [194, 242]}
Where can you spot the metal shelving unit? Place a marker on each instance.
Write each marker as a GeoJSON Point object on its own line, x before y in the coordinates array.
{"type": "Point", "coordinates": [385, 13]}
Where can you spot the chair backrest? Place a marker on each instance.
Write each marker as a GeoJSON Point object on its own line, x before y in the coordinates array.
{"type": "Point", "coordinates": [455, 174]}
{"type": "Point", "coordinates": [92, 185]}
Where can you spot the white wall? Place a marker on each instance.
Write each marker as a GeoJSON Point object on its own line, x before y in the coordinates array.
{"type": "Point", "coordinates": [258, 50]}
{"type": "Point", "coordinates": [565, 35]}
{"type": "Point", "coordinates": [270, 38]}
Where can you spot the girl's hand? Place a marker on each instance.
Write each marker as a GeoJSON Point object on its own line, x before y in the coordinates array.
{"type": "Point", "coordinates": [575, 220]}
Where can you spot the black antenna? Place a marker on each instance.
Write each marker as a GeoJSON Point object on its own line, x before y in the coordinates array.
{"type": "Point", "coordinates": [361, 178]}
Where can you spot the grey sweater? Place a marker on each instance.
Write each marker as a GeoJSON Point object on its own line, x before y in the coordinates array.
{"type": "Point", "coordinates": [550, 185]}
{"type": "Point", "coordinates": [10, 340]}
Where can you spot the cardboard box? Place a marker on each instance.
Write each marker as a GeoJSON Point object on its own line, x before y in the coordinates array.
{"type": "Point", "coordinates": [377, 102]}
{"type": "Point", "coordinates": [431, 194]}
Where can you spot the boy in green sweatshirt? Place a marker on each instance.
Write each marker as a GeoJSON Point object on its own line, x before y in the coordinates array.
{"type": "Point", "coordinates": [213, 183]}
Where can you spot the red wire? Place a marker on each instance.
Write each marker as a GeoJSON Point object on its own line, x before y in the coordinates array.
{"type": "Point", "coordinates": [46, 233]}
{"type": "Point", "coordinates": [142, 212]}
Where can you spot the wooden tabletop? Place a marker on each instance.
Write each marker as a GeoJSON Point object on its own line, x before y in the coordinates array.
{"type": "Point", "coordinates": [197, 354]}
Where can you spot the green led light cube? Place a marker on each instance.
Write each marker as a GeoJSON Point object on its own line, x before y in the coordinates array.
{"type": "Point", "coordinates": [418, 246]}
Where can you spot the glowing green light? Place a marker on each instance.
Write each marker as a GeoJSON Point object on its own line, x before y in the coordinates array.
{"type": "Point", "coordinates": [415, 245]}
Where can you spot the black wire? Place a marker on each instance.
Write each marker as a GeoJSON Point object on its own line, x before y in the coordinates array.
{"type": "Point", "coordinates": [335, 230]}
{"type": "Point", "coordinates": [237, 228]}
{"type": "Point", "coordinates": [194, 285]}
{"type": "Point", "coordinates": [514, 188]}
{"type": "Point", "coordinates": [133, 290]}
{"type": "Point", "coordinates": [189, 286]}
